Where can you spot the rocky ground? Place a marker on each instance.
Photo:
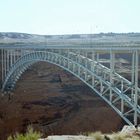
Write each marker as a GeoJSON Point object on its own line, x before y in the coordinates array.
{"type": "Point", "coordinates": [54, 102]}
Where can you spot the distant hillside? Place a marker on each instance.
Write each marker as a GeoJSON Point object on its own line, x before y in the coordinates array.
{"type": "Point", "coordinates": [11, 37]}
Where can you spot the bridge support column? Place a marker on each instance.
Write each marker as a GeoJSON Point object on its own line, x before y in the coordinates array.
{"type": "Point", "coordinates": [86, 65]}
{"type": "Point", "coordinates": [122, 101]}
{"type": "Point", "coordinates": [59, 58]}
{"type": "Point", "coordinates": [14, 55]}
{"type": "Point", "coordinates": [11, 58]}
{"type": "Point", "coordinates": [136, 89]}
{"type": "Point", "coordinates": [79, 63]}
{"type": "Point", "coordinates": [97, 57]}
{"type": "Point", "coordinates": [7, 60]}
{"type": "Point", "coordinates": [5, 64]}
{"type": "Point", "coordinates": [68, 58]}
{"type": "Point", "coordinates": [133, 75]}
{"type": "Point", "coordinates": [97, 60]}
{"type": "Point", "coordinates": [2, 74]}
{"type": "Point", "coordinates": [112, 64]}
{"type": "Point", "coordinates": [92, 67]}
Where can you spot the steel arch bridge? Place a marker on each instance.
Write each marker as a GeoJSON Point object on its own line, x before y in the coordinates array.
{"type": "Point", "coordinates": [111, 71]}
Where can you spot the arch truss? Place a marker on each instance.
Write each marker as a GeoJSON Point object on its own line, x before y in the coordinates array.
{"type": "Point", "coordinates": [111, 72]}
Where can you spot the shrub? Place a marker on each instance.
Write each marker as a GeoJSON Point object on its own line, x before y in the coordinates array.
{"type": "Point", "coordinates": [96, 135]}
{"type": "Point", "coordinates": [29, 135]}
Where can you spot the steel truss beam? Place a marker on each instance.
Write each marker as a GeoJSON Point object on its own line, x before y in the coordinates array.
{"type": "Point", "coordinates": [120, 93]}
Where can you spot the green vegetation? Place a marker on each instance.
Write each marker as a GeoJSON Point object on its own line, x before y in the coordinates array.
{"type": "Point", "coordinates": [29, 135]}
{"type": "Point", "coordinates": [114, 136]}
{"type": "Point", "coordinates": [34, 135]}
{"type": "Point", "coordinates": [96, 135]}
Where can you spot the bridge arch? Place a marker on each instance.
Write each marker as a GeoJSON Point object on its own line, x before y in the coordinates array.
{"type": "Point", "coordinates": [23, 63]}
{"type": "Point", "coordinates": [98, 80]}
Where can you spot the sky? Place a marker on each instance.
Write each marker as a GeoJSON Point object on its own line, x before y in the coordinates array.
{"type": "Point", "coordinates": [69, 16]}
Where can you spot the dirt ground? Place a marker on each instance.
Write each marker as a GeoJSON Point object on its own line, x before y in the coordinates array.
{"type": "Point", "coordinates": [54, 101]}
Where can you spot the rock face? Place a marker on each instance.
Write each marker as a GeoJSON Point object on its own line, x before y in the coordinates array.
{"type": "Point", "coordinates": [54, 102]}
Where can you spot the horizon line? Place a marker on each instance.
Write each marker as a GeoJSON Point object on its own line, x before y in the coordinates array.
{"type": "Point", "coordinates": [75, 33]}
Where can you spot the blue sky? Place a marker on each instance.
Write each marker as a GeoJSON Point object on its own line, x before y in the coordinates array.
{"type": "Point", "coordinates": [69, 16]}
